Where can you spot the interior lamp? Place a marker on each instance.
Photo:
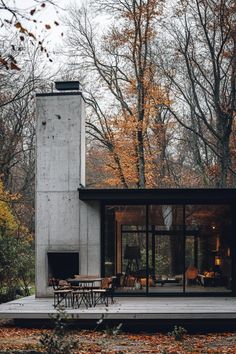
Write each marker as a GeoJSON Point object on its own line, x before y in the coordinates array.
{"type": "Point", "coordinates": [217, 260]}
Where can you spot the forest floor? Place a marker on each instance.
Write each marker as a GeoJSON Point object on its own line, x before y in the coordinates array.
{"type": "Point", "coordinates": [23, 340]}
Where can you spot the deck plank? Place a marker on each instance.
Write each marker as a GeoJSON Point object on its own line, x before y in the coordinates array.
{"type": "Point", "coordinates": [128, 308]}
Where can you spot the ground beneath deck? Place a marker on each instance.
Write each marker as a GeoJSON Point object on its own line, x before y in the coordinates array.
{"type": "Point", "coordinates": [21, 340]}
{"type": "Point", "coordinates": [129, 308]}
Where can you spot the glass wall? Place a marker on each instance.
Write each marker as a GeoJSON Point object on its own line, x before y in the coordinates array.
{"type": "Point", "coordinates": [168, 248]}
{"type": "Point", "coordinates": [125, 246]}
{"type": "Point", "coordinates": [208, 248]}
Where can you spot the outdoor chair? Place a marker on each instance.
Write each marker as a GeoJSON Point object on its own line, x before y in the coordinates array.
{"type": "Point", "coordinates": [61, 292]}
{"type": "Point", "coordinates": [191, 275]}
{"type": "Point", "coordinates": [81, 296]}
{"type": "Point", "coordinates": [106, 292]}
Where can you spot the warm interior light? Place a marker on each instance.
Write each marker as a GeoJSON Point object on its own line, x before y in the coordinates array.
{"type": "Point", "coordinates": [217, 243]}
{"type": "Point", "coordinates": [228, 252]}
{"type": "Point", "coordinates": [217, 260]}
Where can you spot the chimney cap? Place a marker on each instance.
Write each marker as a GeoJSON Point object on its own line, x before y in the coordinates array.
{"type": "Point", "coordinates": [67, 85]}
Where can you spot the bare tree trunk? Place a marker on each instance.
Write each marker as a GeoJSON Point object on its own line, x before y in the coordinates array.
{"type": "Point", "coordinates": [124, 69]}
{"type": "Point", "coordinates": [203, 76]}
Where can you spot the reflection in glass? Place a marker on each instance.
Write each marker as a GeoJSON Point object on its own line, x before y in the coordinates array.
{"type": "Point", "coordinates": [125, 246]}
{"type": "Point", "coordinates": [189, 248]}
{"type": "Point", "coordinates": [166, 247]}
{"type": "Point", "coordinates": [208, 251]}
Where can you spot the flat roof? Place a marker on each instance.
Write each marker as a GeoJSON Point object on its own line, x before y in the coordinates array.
{"type": "Point", "coordinates": [163, 195]}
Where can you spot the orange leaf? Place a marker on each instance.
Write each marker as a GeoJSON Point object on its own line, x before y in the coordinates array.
{"type": "Point", "coordinates": [18, 25]}
{"type": "Point", "coordinates": [14, 67]}
{"type": "Point", "coordinates": [23, 30]}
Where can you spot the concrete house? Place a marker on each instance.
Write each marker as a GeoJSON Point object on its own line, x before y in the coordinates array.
{"type": "Point", "coordinates": [157, 241]}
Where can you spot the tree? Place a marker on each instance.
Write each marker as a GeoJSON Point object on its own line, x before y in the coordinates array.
{"type": "Point", "coordinates": [133, 125]}
{"type": "Point", "coordinates": [16, 267]}
{"type": "Point", "coordinates": [200, 64]}
{"type": "Point", "coordinates": [16, 252]}
{"type": "Point", "coordinates": [15, 19]}
{"type": "Point", "coordinates": [7, 220]}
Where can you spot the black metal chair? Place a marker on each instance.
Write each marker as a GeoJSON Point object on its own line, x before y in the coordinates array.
{"type": "Point", "coordinates": [62, 293]}
{"type": "Point", "coordinates": [81, 296]}
{"type": "Point", "coordinates": [106, 292]}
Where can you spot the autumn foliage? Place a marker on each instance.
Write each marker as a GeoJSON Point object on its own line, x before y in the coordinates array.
{"type": "Point", "coordinates": [9, 223]}
{"type": "Point", "coordinates": [162, 96]}
{"type": "Point", "coordinates": [133, 129]}
{"type": "Point", "coordinates": [16, 253]}
{"type": "Point", "coordinates": [90, 342]}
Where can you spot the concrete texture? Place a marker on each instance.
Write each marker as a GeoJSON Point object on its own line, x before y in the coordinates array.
{"type": "Point", "coordinates": [63, 222]}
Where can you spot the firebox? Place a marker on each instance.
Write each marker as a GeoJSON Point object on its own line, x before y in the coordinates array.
{"type": "Point", "coordinates": [62, 265]}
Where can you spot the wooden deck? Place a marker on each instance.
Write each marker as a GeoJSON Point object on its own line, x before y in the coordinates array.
{"type": "Point", "coordinates": [125, 308]}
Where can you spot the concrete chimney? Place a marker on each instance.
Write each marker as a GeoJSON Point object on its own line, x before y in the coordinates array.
{"type": "Point", "coordinates": [60, 170]}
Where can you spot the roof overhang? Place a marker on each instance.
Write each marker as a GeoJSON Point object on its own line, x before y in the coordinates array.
{"type": "Point", "coordinates": [173, 196]}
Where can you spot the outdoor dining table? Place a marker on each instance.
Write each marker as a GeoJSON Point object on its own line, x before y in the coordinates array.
{"type": "Point", "coordinates": [84, 282]}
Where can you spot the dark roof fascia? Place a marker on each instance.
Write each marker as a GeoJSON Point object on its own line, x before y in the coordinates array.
{"type": "Point", "coordinates": [174, 196]}
{"type": "Point", "coordinates": [59, 94]}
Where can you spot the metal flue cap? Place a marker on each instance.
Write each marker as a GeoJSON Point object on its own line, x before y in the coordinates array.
{"type": "Point", "coordinates": [67, 85]}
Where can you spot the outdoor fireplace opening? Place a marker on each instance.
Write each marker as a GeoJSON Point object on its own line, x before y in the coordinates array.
{"type": "Point", "coordinates": [62, 265]}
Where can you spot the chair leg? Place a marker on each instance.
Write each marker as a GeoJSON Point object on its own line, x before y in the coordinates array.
{"type": "Point", "coordinates": [62, 297]}
{"type": "Point", "coordinates": [102, 298]}
{"type": "Point", "coordinates": [67, 299]}
{"type": "Point", "coordinates": [55, 300]}
{"type": "Point", "coordinates": [106, 299]}
{"type": "Point", "coordinates": [79, 299]}
{"type": "Point", "coordinates": [75, 300]}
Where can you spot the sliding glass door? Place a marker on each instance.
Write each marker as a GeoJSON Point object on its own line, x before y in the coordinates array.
{"type": "Point", "coordinates": [208, 248]}
{"type": "Point", "coordinates": [166, 248]}
{"type": "Point", "coordinates": [126, 256]}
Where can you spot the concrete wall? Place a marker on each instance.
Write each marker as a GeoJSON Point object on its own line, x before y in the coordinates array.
{"type": "Point", "coordinates": [63, 222]}
{"type": "Point", "coordinates": [90, 244]}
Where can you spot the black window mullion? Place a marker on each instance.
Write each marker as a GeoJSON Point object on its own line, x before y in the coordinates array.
{"type": "Point", "coordinates": [184, 247]}
{"type": "Point", "coordinates": [147, 251]}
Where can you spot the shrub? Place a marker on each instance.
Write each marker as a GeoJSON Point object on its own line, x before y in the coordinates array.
{"type": "Point", "coordinates": [178, 333]}
{"type": "Point", "coordinates": [58, 341]}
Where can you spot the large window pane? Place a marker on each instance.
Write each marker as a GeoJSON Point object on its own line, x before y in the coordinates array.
{"type": "Point", "coordinates": [208, 248]}
{"type": "Point", "coordinates": [125, 246]}
{"type": "Point", "coordinates": [189, 248]}
{"type": "Point", "coordinates": [166, 248]}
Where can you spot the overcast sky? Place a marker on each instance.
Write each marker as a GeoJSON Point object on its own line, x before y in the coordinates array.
{"type": "Point", "coordinates": [52, 37]}
{"type": "Point", "coordinates": [47, 16]}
